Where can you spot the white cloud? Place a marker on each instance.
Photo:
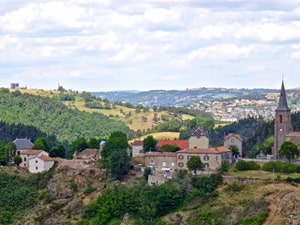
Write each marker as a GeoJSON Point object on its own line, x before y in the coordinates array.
{"type": "Point", "coordinates": [170, 42]}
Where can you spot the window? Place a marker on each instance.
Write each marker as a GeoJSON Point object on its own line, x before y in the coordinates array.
{"type": "Point", "coordinates": [280, 119]}
{"type": "Point", "coordinates": [164, 163]}
{"type": "Point", "coordinates": [36, 168]}
{"type": "Point", "coordinates": [24, 159]}
{"type": "Point", "coordinates": [232, 140]}
{"type": "Point", "coordinates": [24, 164]}
{"type": "Point", "coordinates": [180, 164]}
{"type": "Point", "coordinates": [36, 161]}
{"type": "Point", "coordinates": [151, 161]}
{"type": "Point", "coordinates": [188, 157]}
{"type": "Point", "coordinates": [206, 165]}
{"type": "Point", "coordinates": [173, 164]}
{"type": "Point", "coordinates": [180, 157]}
{"type": "Point", "coordinates": [206, 158]}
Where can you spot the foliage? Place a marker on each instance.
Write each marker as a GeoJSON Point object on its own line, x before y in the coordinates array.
{"type": "Point", "coordinates": [143, 202]}
{"type": "Point", "coordinates": [58, 151]}
{"type": "Point", "coordinates": [19, 193]}
{"type": "Point", "coordinates": [242, 165]}
{"type": "Point", "coordinates": [289, 150]}
{"type": "Point", "coordinates": [51, 118]}
{"type": "Point", "coordinates": [17, 160]}
{"type": "Point", "coordinates": [3, 154]}
{"type": "Point", "coordinates": [207, 123]}
{"type": "Point", "coordinates": [207, 184]}
{"type": "Point", "coordinates": [234, 149]}
{"type": "Point", "coordinates": [11, 149]}
{"type": "Point", "coordinates": [149, 143]}
{"type": "Point", "coordinates": [78, 145]}
{"type": "Point", "coordinates": [171, 125]}
{"type": "Point", "coordinates": [194, 164]}
{"type": "Point", "coordinates": [114, 155]}
{"type": "Point", "coordinates": [169, 148]}
{"type": "Point", "coordinates": [41, 144]}
{"type": "Point", "coordinates": [147, 172]}
{"type": "Point", "coordinates": [225, 165]}
{"type": "Point", "coordinates": [280, 167]}
{"type": "Point", "coordinates": [254, 220]}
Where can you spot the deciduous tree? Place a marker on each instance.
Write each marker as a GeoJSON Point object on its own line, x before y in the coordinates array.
{"type": "Point", "coordinates": [289, 150]}
{"type": "Point", "coordinates": [194, 164]}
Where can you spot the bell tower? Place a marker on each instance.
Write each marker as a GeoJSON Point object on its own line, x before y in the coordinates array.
{"type": "Point", "coordinates": [282, 123]}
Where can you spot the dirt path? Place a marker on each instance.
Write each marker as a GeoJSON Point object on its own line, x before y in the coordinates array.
{"type": "Point", "coordinates": [283, 201]}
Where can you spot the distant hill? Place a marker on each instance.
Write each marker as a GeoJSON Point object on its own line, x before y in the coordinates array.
{"type": "Point", "coordinates": [52, 118]}
{"type": "Point", "coordinates": [181, 97]}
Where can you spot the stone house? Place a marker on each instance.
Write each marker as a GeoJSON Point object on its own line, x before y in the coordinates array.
{"type": "Point", "coordinates": [161, 162]}
{"type": "Point", "coordinates": [198, 139]}
{"type": "Point", "coordinates": [36, 160]}
{"type": "Point", "coordinates": [234, 139]}
{"type": "Point", "coordinates": [137, 148]}
{"type": "Point", "coordinates": [212, 158]}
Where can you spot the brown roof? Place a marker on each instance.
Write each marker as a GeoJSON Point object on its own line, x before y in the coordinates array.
{"type": "Point", "coordinates": [217, 150]}
{"type": "Point", "coordinates": [161, 154]}
{"type": "Point", "coordinates": [31, 152]}
{"type": "Point", "coordinates": [138, 142]}
{"type": "Point", "coordinates": [182, 144]}
{"type": "Point", "coordinates": [46, 158]}
{"type": "Point", "coordinates": [233, 135]}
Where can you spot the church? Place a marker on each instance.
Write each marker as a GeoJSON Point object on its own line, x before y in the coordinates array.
{"type": "Point", "coordinates": [283, 129]}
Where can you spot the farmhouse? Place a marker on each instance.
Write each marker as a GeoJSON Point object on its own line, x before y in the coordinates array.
{"type": "Point", "coordinates": [36, 160]}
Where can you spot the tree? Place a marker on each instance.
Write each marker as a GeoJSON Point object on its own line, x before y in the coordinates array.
{"type": "Point", "coordinates": [78, 145]}
{"type": "Point", "coordinates": [94, 143]}
{"type": "Point", "coordinates": [234, 149]}
{"type": "Point", "coordinates": [11, 148]}
{"type": "Point", "coordinates": [149, 143]}
{"type": "Point", "coordinates": [114, 155]}
{"type": "Point", "coordinates": [41, 144]}
{"type": "Point", "coordinates": [17, 160]}
{"type": "Point", "coordinates": [3, 154]}
{"type": "Point", "coordinates": [289, 150]}
{"type": "Point", "coordinates": [169, 148]}
{"type": "Point", "coordinates": [58, 151]}
{"type": "Point", "coordinates": [194, 164]}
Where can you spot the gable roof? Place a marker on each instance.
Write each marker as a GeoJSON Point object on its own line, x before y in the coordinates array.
{"type": "Point", "coordinates": [282, 105]}
{"type": "Point", "coordinates": [137, 142]}
{"type": "Point", "coordinates": [31, 152]}
{"type": "Point", "coordinates": [45, 158]}
{"type": "Point", "coordinates": [233, 135]}
{"type": "Point", "coordinates": [23, 143]}
{"type": "Point", "coordinates": [216, 150]}
{"type": "Point", "coordinates": [182, 144]}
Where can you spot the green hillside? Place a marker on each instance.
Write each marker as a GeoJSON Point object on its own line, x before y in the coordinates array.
{"type": "Point", "coordinates": [54, 118]}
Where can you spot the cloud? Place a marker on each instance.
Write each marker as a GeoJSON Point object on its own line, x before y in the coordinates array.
{"type": "Point", "coordinates": [148, 44]}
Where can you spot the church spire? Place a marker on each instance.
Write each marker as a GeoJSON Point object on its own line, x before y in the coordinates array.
{"type": "Point", "coordinates": [282, 105]}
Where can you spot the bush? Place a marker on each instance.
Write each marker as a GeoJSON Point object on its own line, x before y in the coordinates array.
{"type": "Point", "coordinates": [243, 165]}
{"type": "Point", "coordinates": [280, 167]}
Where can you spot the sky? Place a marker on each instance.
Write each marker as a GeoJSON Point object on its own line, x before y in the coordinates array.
{"type": "Point", "coordinates": [109, 45]}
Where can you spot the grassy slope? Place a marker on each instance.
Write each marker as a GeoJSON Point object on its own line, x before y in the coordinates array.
{"type": "Point", "coordinates": [135, 122]}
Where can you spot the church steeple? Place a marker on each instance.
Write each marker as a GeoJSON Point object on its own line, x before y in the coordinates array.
{"type": "Point", "coordinates": [282, 123]}
{"type": "Point", "coordinates": [282, 106]}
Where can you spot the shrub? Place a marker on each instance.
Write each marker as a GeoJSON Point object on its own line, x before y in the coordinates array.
{"type": "Point", "coordinates": [280, 167]}
{"type": "Point", "coordinates": [243, 165]}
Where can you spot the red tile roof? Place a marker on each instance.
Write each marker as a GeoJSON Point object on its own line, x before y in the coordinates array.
{"type": "Point", "coordinates": [217, 150]}
{"type": "Point", "coordinates": [161, 154]}
{"type": "Point", "coordinates": [182, 144]}
{"type": "Point", "coordinates": [137, 142]}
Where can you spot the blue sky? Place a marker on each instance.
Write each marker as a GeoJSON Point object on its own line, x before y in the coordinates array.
{"type": "Point", "coordinates": [102, 45]}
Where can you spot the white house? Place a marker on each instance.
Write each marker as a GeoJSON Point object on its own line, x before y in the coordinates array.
{"type": "Point", "coordinates": [36, 160]}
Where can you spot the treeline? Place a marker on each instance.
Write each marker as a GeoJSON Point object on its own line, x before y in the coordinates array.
{"type": "Point", "coordinates": [54, 118]}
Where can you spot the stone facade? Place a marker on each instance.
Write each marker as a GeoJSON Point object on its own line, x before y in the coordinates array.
{"type": "Point", "coordinates": [234, 139]}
